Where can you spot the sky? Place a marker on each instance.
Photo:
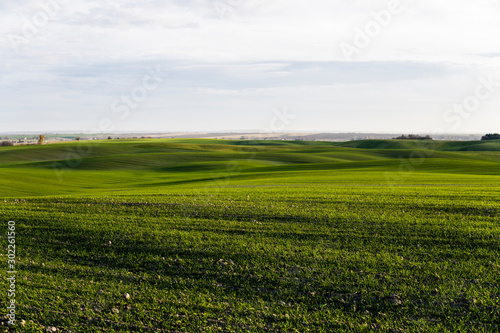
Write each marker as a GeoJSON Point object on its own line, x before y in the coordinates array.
{"type": "Point", "coordinates": [397, 66]}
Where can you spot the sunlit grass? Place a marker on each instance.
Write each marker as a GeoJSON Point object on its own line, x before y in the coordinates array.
{"type": "Point", "coordinates": [257, 243]}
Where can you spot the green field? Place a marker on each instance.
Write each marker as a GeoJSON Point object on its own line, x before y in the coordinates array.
{"type": "Point", "coordinates": [254, 236]}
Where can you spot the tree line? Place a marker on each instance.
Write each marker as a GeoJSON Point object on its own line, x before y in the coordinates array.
{"type": "Point", "coordinates": [413, 137]}
{"type": "Point", "coordinates": [494, 136]}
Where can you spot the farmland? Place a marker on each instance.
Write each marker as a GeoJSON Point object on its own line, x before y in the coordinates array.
{"type": "Point", "coordinates": [200, 235]}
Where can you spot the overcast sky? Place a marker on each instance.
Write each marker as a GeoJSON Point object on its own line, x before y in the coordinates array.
{"type": "Point", "coordinates": [281, 65]}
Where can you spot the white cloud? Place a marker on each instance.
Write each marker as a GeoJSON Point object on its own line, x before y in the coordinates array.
{"type": "Point", "coordinates": [261, 53]}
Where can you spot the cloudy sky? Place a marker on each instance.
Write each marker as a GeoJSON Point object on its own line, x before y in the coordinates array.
{"type": "Point", "coordinates": [281, 65]}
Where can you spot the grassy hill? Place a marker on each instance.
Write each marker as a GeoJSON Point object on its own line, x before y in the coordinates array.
{"type": "Point", "coordinates": [130, 164]}
{"type": "Point", "coordinates": [490, 145]}
{"type": "Point", "coordinates": [254, 236]}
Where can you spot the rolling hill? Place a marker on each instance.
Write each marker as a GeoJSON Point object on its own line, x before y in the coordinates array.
{"type": "Point", "coordinates": [140, 164]}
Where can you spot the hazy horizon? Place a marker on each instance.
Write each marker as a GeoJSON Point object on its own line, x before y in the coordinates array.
{"type": "Point", "coordinates": [63, 132]}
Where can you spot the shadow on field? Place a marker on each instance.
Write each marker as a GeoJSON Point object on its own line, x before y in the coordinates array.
{"type": "Point", "coordinates": [313, 271]}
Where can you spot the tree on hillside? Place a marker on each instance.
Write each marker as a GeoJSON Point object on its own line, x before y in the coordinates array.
{"type": "Point", "coordinates": [413, 137]}
{"type": "Point", "coordinates": [41, 139]}
{"type": "Point", "coordinates": [495, 136]}
{"type": "Point", "coordinates": [6, 144]}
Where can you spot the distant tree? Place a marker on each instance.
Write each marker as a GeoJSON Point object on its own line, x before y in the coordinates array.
{"type": "Point", "coordinates": [41, 139]}
{"type": "Point", "coordinates": [413, 137]}
{"type": "Point", "coordinates": [6, 144]}
{"type": "Point", "coordinates": [109, 138]}
{"type": "Point", "coordinates": [495, 136]}
{"type": "Point", "coordinates": [78, 138]}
